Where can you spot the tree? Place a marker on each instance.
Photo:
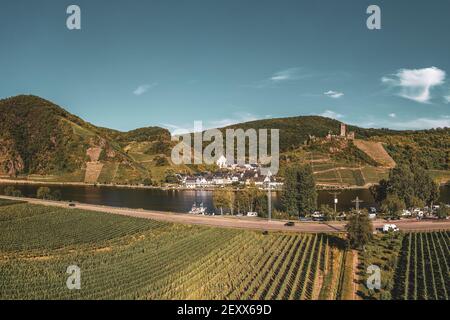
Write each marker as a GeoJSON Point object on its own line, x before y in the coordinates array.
{"type": "Point", "coordinates": [299, 194]}
{"type": "Point", "coordinates": [224, 199]}
{"type": "Point", "coordinates": [328, 212]}
{"type": "Point", "coordinates": [147, 182]}
{"type": "Point", "coordinates": [443, 212]}
{"type": "Point", "coordinates": [393, 206]}
{"type": "Point", "coordinates": [410, 183]}
{"type": "Point", "coordinates": [56, 195]}
{"type": "Point", "coordinates": [12, 192]}
{"type": "Point", "coordinates": [170, 176]}
{"type": "Point", "coordinates": [360, 229]}
{"type": "Point", "coordinates": [160, 161]}
{"type": "Point", "coordinates": [44, 193]}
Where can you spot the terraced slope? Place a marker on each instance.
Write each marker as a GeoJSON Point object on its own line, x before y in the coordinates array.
{"type": "Point", "coordinates": [376, 151]}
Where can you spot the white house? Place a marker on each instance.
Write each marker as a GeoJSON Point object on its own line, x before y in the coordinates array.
{"type": "Point", "coordinates": [222, 162]}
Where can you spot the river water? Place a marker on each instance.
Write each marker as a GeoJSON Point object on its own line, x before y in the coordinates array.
{"type": "Point", "coordinates": [182, 200]}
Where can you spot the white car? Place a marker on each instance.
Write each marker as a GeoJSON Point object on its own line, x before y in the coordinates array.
{"type": "Point", "coordinates": [252, 214]}
{"type": "Point", "coordinates": [406, 213]}
{"type": "Point", "coordinates": [390, 227]}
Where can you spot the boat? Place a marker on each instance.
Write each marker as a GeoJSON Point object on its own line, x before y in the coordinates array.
{"type": "Point", "coordinates": [198, 209]}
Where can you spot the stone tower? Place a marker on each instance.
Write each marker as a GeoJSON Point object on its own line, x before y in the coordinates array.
{"type": "Point", "coordinates": [343, 130]}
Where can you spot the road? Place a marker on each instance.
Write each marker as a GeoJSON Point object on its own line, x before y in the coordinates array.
{"type": "Point", "coordinates": [241, 222]}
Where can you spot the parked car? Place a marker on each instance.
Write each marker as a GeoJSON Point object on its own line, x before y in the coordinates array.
{"type": "Point", "coordinates": [317, 216]}
{"type": "Point", "coordinates": [406, 213]}
{"type": "Point", "coordinates": [252, 214]}
{"type": "Point", "coordinates": [71, 204]}
{"type": "Point", "coordinates": [390, 227]}
{"type": "Point", "coordinates": [373, 210]}
{"type": "Point", "coordinates": [289, 224]}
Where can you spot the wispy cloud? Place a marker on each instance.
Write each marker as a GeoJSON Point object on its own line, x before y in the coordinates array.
{"type": "Point", "coordinates": [331, 114]}
{"type": "Point", "coordinates": [422, 123]}
{"type": "Point", "coordinates": [282, 76]}
{"type": "Point", "coordinates": [447, 99]}
{"type": "Point", "coordinates": [392, 115]}
{"type": "Point", "coordinates": [333, 94]}
{"type": "Point", "coordinates": [287, 75]}
{"type": "Point", "coordinates": [237, 117]}
{"type": "Point", "coordinates": [143, 88]}
{"type": "Point", "coordinates": [415, 84]}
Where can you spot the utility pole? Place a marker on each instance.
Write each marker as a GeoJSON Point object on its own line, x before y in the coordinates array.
{"type": "Point", "coordinates": [357, 202]}
{"type": "Point", "coordinates": [335, 199]}
{"type": "Point", "coordinates": [269, 198]}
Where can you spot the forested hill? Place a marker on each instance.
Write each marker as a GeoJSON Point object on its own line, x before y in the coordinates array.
{"type": "Point", "coordinates": [294, 131]}
{"type": "Point", "coordinates": [37, 137]}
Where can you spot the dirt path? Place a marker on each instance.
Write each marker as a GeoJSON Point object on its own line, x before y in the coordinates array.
{"type": "Point", "coordinates": [355, 280]}
{"type": "Point", "coordinates": [239, 222]}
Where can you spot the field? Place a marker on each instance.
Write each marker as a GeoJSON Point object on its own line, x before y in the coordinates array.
{"type": "Point", "coordinates": [132, 258]}
{"type": "Point", "coordinates": [414, 266]}
{"type": "Point", "coordinates": [423, 272]}
{"type": "Point", "coordinates": [122, 257]}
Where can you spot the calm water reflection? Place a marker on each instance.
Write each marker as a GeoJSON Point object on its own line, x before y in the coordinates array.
{"type": "Point", "coordinates": [181, 201]}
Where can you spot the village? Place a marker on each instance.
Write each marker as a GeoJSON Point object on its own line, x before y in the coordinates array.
{"type": "Point", "coordinates": [230, 174]}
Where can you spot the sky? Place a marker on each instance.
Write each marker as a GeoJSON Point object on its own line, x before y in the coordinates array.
{"type": "Point", "coordinates": [169, 63]}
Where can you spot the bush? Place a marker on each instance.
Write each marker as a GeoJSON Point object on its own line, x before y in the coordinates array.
{"type": "Point", "coordinates": [43, 193]}
{"type": "Point", "coordinates": [12, 192]}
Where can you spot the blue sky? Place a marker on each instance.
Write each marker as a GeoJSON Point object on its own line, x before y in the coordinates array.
{"type": "Point", "coordinates": [170, 62]}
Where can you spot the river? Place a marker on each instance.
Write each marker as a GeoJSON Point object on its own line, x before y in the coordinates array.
{"type": "Point", "coordinates": [182, 200]}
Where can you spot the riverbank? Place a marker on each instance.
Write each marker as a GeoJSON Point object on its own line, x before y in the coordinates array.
{"type": "Point", "coordinates": [240, 222]}
{"type": "Point", "coordinates": [181, 188]}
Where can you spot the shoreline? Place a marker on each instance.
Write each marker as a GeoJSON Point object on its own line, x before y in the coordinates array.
{"type": "Point", "coordinates": [180, 188]}
{"type": "Point", "coordinates": [234, 222]}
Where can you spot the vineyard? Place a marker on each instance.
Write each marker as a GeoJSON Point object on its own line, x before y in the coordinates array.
{"type": "Point", "coordinates": [131, 258]}
{"type": "Point", "coordinates": [423, 272]}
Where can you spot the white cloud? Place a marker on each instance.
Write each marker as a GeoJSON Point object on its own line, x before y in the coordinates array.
{"type": "Point", "coordinates": [143, 88]}
{"type": "Point", "coordinates": [291, 74]}
{"type": "Point", "coordinates": [331, 114]}
{"type": "Point", "coordinates": [235, 118]}
{"type": "Point", "coordinates": [333, 94]}
{"type": "Point", "coordinates": [392, 115]}
{"type": "Point", "coordinates": [238, 117]}
{"type": "Point", "coordinates": [286, 75]}
{"type": "Point", "coordinates": [415, 84]}
{"type": "Point", "coordinates": [423, 123]}
{"type": "Point", "coordinates": [447, 99]}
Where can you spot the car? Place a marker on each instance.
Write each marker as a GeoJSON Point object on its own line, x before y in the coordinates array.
{"type": "Point", "coordinates": [373, 210]}
{"type": "Point", "coordinates": [390, 227]}
{"type": "Point", "coordinates": [289, 224]}
{"type": "Point", "coordinates": [406, 213]}
{"type": "Point", "coordinates": [71, 204]}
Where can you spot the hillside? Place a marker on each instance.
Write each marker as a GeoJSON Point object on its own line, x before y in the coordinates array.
{"type": "Point", "coordinates": [41, 141]}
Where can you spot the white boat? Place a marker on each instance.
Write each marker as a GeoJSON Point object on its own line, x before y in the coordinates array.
{"type": "Point", "coordinates": [198, 209]}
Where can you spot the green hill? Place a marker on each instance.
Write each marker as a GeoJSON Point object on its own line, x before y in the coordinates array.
{"type": "Point", "coordinates": [42, 141]}
{"type": "Point", "coordinates": [39, 138]}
